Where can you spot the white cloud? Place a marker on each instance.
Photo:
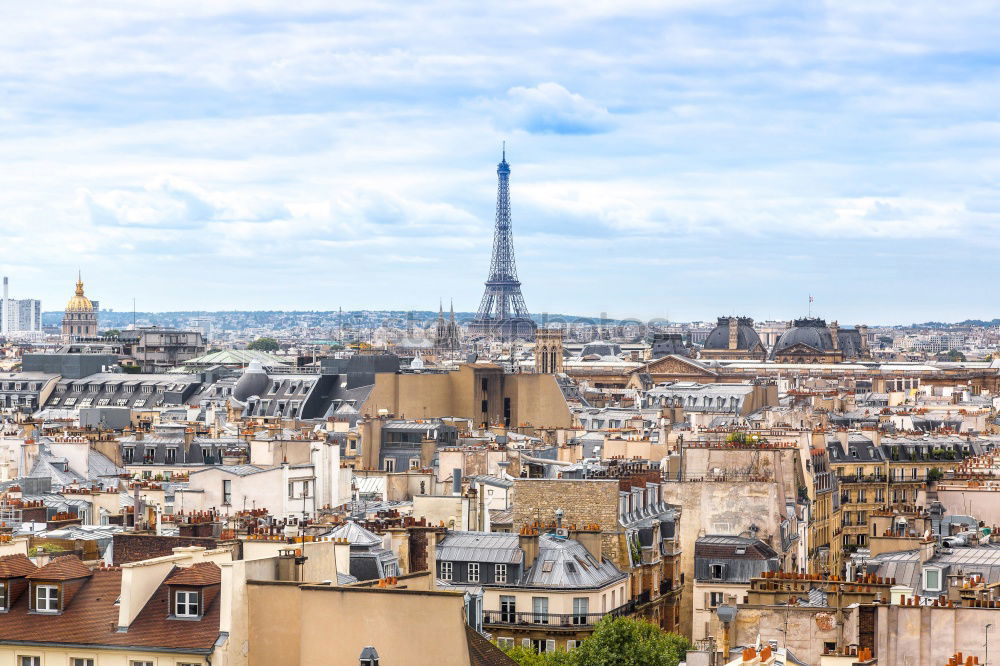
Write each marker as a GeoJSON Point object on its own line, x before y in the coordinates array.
{"type": "Point", "coordinates": [549, 108]}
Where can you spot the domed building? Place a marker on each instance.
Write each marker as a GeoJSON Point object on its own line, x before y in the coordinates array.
{"type": "Point", "coordinates": [80, 316]}
{"type": "Point", "coordinates": [811, 340]}
{"type": "Point", "coordinates": [734, 338]}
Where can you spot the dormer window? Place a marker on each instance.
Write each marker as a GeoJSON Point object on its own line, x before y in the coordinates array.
{"type": "Point", "coordinates": [186, 603]}
{"type": "Point", "coordinates": [46, 598]}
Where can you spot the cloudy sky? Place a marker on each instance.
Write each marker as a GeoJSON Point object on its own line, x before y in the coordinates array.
{"type": "Point", "coordinates": [679, 159]}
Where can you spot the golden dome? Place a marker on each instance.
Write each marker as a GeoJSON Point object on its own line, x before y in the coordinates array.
{"type": "Point", "coordinates": [79, 302]}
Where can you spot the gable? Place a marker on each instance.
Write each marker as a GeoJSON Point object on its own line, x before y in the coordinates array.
{"type": "Point", "coordinates": [676, 365]}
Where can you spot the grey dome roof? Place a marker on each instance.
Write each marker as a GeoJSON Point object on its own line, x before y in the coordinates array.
{"type": "Point", "coordinates": [254, 381]}
{"type": "Point", "coordinates": [809, 331]}
{"type": "Point", "coordinates": [746, 336]}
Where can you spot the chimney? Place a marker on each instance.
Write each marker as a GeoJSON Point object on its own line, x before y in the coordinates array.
{"type": "Point", "coordinates": [286, 568]}
{"type": "Point", "coordinates": [528, 542]}
{"type": "Point", "coordinates": [734, 333]}
{"type": "Point", "coordinates": [927, 549]}
{"type": "Point", "coordinates": [589, 538]}
{"type": "Point", "coordinates": [432, 540]}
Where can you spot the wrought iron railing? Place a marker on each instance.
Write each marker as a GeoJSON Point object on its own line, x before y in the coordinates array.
{"type": "Point", "coordinates": [555, 620]}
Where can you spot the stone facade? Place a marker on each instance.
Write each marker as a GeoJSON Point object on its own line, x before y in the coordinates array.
{"type": "Point", "coordinates": [582, 501]}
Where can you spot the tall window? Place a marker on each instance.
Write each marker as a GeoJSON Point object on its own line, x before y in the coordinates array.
{"type": "Point", "coordinates": [508, 608]}
{"type": "Point", "coordinates": [46, 598]}
{"type": "Point", "coordinates": [446, 570]}
{"type": "Point", "coordinates": [227, 491]}
{"type": "Point", "coordinates": [186, 603]}
{"type": "Point", "coordinates": [473, 572]}
{"type": "Point", "coordinates": [500, 573]}
{"type": "Point", "coordinates": [581, 607]}
{"type": "Point", "coordinates": [540, 610]}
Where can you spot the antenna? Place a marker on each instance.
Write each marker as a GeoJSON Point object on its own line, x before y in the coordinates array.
{"type": "Point", "coordinates": [503, 149]}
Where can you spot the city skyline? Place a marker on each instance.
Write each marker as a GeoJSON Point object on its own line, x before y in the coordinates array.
{"type": "Point", "coordinates": [682, 162]}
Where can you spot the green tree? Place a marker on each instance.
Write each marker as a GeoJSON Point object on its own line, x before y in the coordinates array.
{"type": "Point", "coordinates": [934, 474]}
{"type": "Point", "coordinates": [264, 345]}
{"type": "Point", "coordinates": [620, 641]}
{"type": "Point", "coordinates": [111, 333]}
{"type": "Point", "coordinates": [623, 641]}
{"type": "Point", "coordinates": [526, 656]}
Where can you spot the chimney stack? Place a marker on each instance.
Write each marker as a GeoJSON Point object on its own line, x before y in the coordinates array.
{"type": "Point", "coordinates": [528, 541]}
{"type": "Point", "coordinates": [590, 538]}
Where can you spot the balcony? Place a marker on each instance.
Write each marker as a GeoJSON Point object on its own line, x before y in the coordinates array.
{"type": "Point", "coordinates": [870, 478]}
{"type": "Point", "coordinates": [555, 621]}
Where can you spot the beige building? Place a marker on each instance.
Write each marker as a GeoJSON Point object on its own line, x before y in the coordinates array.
{"type": "Point", "coordinates": [480, 392]}
{"type": "Point", "coordinates": [407, 622]}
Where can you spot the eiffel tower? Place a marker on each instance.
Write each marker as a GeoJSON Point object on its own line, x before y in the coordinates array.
{"type": "Point", "coordinates": [502, 314]}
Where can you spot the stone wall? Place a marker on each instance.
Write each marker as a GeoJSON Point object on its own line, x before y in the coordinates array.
{"type": "Point", "coordinates": [135, 547]}
{"type": "Point", "coordinates": [582, 501]}
{"type": "Point", "coordinates": [722, 507]}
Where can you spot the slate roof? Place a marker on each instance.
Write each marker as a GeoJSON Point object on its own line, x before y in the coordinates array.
{"type": "Point", "coordinates": [744, 558]}
{"type": "Point", "coordinates": [567, 563]}
{"type": "Point", "coordinates": [67, 567]}
{"type": "Point", "coordinates": [905, 565]}
{"type": "Point", "coordinates": [238, 470]}
{"type": "Point", "coordinates": [196, 575]}
{"type": "Point", "coordinates": [498, 547]}
{"type": "Point", "coordinates": [356, 535]}
{"type": "Point", "coordinates": [15, 566]}
{"type": "Point", "coordinates": [237, 357]}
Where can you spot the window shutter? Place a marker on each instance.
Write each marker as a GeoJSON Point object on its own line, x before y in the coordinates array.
{"type": "Point", "coordinates": [708, 600]}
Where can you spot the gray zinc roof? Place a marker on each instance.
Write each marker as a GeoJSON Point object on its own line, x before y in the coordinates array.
{"type": "Point", "coordinates": [567, 563]}
{"type": "Point", "coordinates": [501, 548]}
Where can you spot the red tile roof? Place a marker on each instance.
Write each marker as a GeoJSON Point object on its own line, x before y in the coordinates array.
{"type": "Point", "coordinates": [203, 573]}
{"type": "Point", "coordinates": [66, 567]}
{"type": "Point", "coordinates": [15, 566]}
{"type": "Point", "coordinates": [91, 619]}
{"type": "Point", "coordinates": [484, 653]}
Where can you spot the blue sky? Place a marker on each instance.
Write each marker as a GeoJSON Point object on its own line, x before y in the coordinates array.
{"type": "Point", "coordinates": [679, 159]}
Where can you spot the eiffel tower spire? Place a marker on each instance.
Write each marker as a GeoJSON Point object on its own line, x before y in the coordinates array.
{"type": "Point", "coordinates": [502, 313]}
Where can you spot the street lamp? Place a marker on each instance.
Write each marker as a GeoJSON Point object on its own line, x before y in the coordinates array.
{"type": "Point", "coordinates": [986, 630]}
